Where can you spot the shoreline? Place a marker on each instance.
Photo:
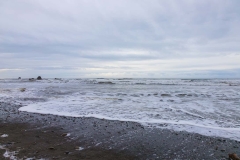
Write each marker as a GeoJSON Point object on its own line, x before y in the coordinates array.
{"type": "Point", "coordinates": [102, 139]}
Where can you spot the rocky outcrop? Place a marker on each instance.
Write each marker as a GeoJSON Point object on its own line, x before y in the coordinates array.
{"type": "Point", "coordinates": [39, 78]}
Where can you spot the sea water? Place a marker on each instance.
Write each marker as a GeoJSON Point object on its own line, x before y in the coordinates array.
{"type": "Point", "coordinates": [205, 106]}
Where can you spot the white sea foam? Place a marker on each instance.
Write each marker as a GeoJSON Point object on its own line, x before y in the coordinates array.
{"type": "Point", "coordinates": [79, 148]}
{"type": "Point", "coordinates": [209, 107]}
{"type": "Point", "coordinates": [4, 135]}
{"type": "Point", "coordinates": [10, 155]}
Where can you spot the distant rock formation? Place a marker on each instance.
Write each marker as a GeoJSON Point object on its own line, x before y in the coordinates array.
{"type": "Point", "coordinates": [39, 78]}
{"type": "Point", "coordinates": [165, 95]}
{"type": "Point", "coordinates": [106, 82]}
{"type": "Point", "coordinates": [31, 79]}
{"type": "Point", "coordinates": [19, 77]}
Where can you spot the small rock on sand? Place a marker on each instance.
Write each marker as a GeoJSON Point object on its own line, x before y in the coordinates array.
{"type": "Point", "coordinates": [79, 148]}
{"type": "Point", "coordinates": [65, 134]}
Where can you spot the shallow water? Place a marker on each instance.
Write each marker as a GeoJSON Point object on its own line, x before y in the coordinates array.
{"type": "Point", "coordinates": [206, 106]}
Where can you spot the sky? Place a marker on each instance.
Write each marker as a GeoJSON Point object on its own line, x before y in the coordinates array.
{"type": "Point", "coordinates": [125, 38]}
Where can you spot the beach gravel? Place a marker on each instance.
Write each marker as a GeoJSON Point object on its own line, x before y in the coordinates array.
{"type": "Point", "coordinates": [32, 135]}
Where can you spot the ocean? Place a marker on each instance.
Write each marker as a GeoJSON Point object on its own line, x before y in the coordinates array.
{"type": "Point", "coordinates": [206, 106]}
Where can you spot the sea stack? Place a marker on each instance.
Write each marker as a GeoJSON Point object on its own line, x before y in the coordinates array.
{"type": "Point", "coordinates": [39, 78]}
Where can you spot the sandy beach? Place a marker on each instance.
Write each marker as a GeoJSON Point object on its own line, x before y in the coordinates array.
{"type": "Point", "coordinates": [36, 136]}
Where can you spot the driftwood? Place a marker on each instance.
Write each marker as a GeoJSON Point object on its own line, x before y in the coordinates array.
{"type": "Point", "coordinates": [233, 156]}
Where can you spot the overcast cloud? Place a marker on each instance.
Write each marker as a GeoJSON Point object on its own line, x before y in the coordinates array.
{"type": "Point", "coordinates": [126, 38]}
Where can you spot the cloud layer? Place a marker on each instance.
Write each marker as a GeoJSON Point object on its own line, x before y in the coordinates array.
{"type": "Point", "coordinates": [90, 38]}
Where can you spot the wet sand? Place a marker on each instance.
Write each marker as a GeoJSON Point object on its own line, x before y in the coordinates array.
{"type": "Point", "coordinates": [58, 137]}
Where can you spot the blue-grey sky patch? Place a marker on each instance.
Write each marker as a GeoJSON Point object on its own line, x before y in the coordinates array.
{"type": "Point", "coordinates": [159, 39]}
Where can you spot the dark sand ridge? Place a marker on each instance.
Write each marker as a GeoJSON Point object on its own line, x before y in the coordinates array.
{"type": "Point", "coordinates": [42, 136]}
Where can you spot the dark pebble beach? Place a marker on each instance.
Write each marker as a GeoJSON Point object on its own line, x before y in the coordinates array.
{"type": "Point", "coordinates": [46, 136]}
